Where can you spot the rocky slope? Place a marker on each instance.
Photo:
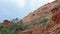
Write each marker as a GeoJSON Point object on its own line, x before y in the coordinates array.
{"type": "Point", "coordinates": [51, 11]}
{"type": "Point", "coordinates": [45, 11]}
{"type": "Point", "coordinates": [52, 28]}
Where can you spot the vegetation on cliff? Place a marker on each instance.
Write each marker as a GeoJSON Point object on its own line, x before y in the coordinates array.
{"type": "Point", "coordinates": [17, 26]}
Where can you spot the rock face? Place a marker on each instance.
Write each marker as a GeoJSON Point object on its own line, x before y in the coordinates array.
{"type": "Point", "coordinates": [51, 11]}
{"type": "Point", "coordinates": [7, 23]}
{"type": "Point", "coordinates": [52, 28]}
{"type": "Point", "coordinates": [37, 30]}
{"type": "Point", "coordinates": [57, 0]}
{"type": "Point", "coordinates": [45, 11]}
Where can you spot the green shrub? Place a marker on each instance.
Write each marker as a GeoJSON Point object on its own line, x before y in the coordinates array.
{"type": "Point", "coordinates": [44, 21]}
{"type": "Point", "coordinates": [58, 5]}
{"type": "Point", "coordinates": [15, 28]}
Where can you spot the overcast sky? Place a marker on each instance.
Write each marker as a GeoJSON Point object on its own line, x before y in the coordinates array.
{"type": "Point", "coordinates": [10, 9]}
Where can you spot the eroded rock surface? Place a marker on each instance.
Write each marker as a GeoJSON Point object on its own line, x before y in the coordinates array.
{"type": "Point", "coordinates": [52, 11]}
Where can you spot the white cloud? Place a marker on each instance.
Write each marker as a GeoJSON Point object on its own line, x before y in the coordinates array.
{"type": "Point", "coordinates": [12, 1]}
{"type": "Point", "coordinates": [49, 1]}
{"type": "Point", "coordinates": [21, 3]}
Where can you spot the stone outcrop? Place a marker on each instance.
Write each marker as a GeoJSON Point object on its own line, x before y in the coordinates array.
{"type": "Point", "coordinates": [42, 12]}
{"type": "Point", "coordinates": [37, 30]}
{"type": "Point", "coordinates": [52, 11]}
{"type": "Point", "coordinates": [52, 28]}
{"type": "Point", "coordinates": [7, 23]}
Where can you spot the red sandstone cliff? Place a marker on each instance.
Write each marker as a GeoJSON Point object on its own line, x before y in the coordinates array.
{"type": "Point", "coordinates": [52, 11]}
{"type": "Point", "coordinates": [52, 28]}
